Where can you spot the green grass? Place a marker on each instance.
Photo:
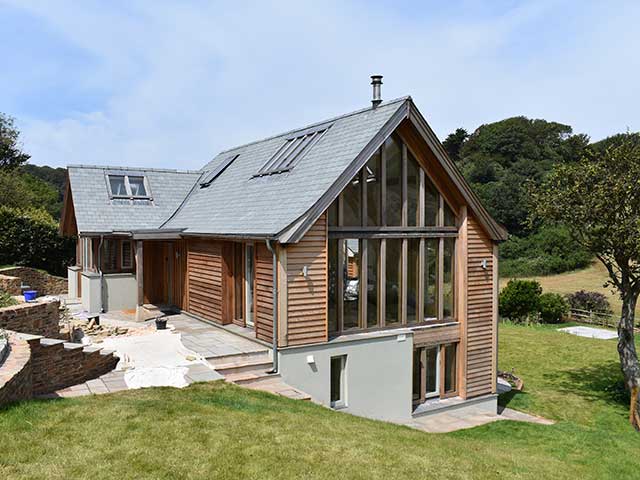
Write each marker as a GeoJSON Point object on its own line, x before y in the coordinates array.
{"type": "Point", "coordinates": [590, 279]}
{"type": "Point", "coordinates": [221, 431]}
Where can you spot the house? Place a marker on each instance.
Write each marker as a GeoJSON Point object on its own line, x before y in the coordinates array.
{"type": "Point", "coordinates": [353, 246]}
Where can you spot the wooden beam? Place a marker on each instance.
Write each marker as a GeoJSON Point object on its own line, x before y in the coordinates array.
{"type": "Point", "coordinates": [461, 287]}
{"type": "Point", "coordinates": [139, 278]}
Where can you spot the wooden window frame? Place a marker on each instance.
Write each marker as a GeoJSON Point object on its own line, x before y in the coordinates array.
{"type": "Point", "coordinates": [441, 366]}
{"type": "Point", "coordinates": [403, 232]}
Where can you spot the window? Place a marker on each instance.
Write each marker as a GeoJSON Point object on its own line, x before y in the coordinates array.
{"type": "Point", "coordinates": [128, 186]}
{"type": "Point", "coordinates": [435, 372]}
{"type": "Point", "coordinates": [292, 151]}
{"type": "Point", "coordinates": [392, 240]}
{"type": "Point", "coordinates": [337, 393]}
{"type": "Point", "coordinates": [393, 161]}
{"type": "Point", "coordinates": [109, 255]}
{"type": "Point", "coordinates": [351, 283]}
{"type": "Point", "coordinates": [127, 255]}
{"type": "Point", "coordinates": [217, 171]}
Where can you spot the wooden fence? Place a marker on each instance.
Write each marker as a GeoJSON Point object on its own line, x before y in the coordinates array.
{"type": "Point", "coordinates": [595, 318]}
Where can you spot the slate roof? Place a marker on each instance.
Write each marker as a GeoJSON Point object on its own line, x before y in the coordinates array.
{"type": "Point", "coordinates": [237, 203]}
{"type": "Point", "coordinates": [97, 213]}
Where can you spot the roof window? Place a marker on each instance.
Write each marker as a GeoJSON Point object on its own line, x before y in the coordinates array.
{"type": "Point", "coordinates": [292, 151]}
{"type": "Point", "coordinates": [128, 186]}
{"type": "Point", "coordinates": [215, 173]}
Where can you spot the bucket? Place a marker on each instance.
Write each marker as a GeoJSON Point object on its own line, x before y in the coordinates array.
{"type": "Point", "coordinates": [30, 295]}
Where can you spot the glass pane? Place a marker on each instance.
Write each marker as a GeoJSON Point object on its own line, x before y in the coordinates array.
{"type": "Point", "coordinates": [413, 187]}
{"type": "Point", "coordinates": [336, 379]}
{"type": "Point", "coordinates": [137, 186]}
{"type": "Point", "coordinates": [127, 254]}
{"type": "Point", "coordinates": [333, 285]}
{"type": "Point", "coordinates": [449, 217]}
{"type": "Point", "coordinates": [417, 374]}
{"type": "Point", "coordinates": [392, 293]}
{"type": "Point", "coordinates": [351, 294]}
{"type": "Point", "coordinates": [447, 281]}
{"type": "Point", "coordinates": [413, 264]}
{"type": "Point", "coordinates": [249, 276]}
{"type": "Point", "coordinates": [117, 185]}
{"type": "Point", "coordinates": [393, 154]}
{"type": "Point", "coordinates": [450, 367]}
{"type": "Point", "coordinates": [430, 203]}
{"type": "Point", "coordinates": [109, 255]}
{"type": "Point", "coordinates": [431, 373]}
{"type": "Point", "coordinates": [431, 247]}
{"type": "Point", "coordinates": [374, 199]}
{"type": "Point", "coordinates": [351, 211]}
{"type": "Point", "coordinates": [332, 214]}
{"type": "Point", "coordinates": [373, 258]}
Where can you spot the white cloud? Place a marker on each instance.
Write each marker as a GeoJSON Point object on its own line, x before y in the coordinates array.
{"type": "Point", "coordinates": [185, 80]}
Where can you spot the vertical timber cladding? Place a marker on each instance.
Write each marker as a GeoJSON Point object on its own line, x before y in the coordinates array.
{"type": "Point", "coordinates": [263, 291]}
{"type": "Point", "coordinates": [307, 295]}
{"type": "Point", "coordinates": [481, 337]}
{"type": "Point", "coordinates": [204, 279]}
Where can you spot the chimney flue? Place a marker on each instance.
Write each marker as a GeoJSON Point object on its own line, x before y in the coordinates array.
{"type": "Point", "coordinates": [376, 81]}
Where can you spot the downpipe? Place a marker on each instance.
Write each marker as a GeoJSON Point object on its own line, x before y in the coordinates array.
{"type": "Point", "coordinates": [99, 266]}
{"type": "Point", "coordinates": [274, 369]}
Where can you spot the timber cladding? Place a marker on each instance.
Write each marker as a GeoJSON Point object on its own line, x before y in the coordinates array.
{"type": "Point", "coordinates": [204, 279]}
{"type": "Point", "coordinates": [263, 293]}
{"type": "Point", "coordinates": [481, 333]}
{"type": "Point", "coordinates": [307, 295]}
{"type": "Point", "coordinates": [432, 336]}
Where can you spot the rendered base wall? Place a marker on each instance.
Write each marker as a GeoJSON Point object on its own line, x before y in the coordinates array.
{"type": "Point", "coordinates": [120, 291]}
{"type": "Point", "coordinates": [72, 281]}
{"type": "Point", "coordinates": [91, 292]}
{"type": "Point", "coordinates": [378, 374]}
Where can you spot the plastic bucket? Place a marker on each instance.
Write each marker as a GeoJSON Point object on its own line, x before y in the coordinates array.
{"type": "Point", "coordinates": [30, 295]}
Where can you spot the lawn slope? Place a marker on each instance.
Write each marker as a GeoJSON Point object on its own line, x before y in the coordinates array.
{"type": "Point", "coordinates": [218, 430]}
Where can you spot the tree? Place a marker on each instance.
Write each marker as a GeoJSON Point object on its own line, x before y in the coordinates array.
{"type": "Point", "coordinates": [453, 143]}
{"type": "Point", "coordinates": [598, 199]}
{"type": "Point", "coordinates": [11, 156]}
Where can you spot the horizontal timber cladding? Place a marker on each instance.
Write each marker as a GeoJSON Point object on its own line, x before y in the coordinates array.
{"type": "Point", "coordinates": [264, 293]}
{"type": "Point", "coordinates": [481, 336]}
{"type": "Point", "coordinates": [204, 279]}
{"type": "Point", "coordinates": [424, 337]}
{"type": "Point", "coordinates": [307, 295]}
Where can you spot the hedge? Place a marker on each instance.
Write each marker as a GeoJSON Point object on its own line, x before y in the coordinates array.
{"type": "Point", "coordinates": [30, 237]}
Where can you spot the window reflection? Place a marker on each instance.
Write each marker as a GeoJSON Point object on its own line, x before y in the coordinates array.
{"type": "Point", "coordinates": [393, 272]}
{"type": "Point", "coordinates": [374, 190]}
{"type": "Point", "coordinates": [431, 278]}
{"type": "Point", "coordinates": [447, 280]}
{"type": "Point", "coordinates": [351, 284]}
{"type": "Point", "coordinates": [413, 189]}
{"type": "Point", "coordinates": [332, 285]}
{"type": "Point", "coordinates": [351, 204]}
{"type": "Point", "coordinates": [413, 264]}
{"type": "Point", "coordinates": [373, 270]}
{"type": "Point", "coordinates": [393, 160]}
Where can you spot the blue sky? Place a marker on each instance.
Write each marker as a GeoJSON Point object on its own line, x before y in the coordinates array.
{"type": "Point", "coordinates": [169, 84]}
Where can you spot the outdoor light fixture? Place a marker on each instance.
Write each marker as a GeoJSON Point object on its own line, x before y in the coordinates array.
{"type": "Point", "coordinates": [305, 271]}
{"type": "Point", "coordinates": [310, 359]}
{"type": "Point", "coordinates": [483, 263]}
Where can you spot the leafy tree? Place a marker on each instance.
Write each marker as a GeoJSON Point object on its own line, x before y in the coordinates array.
{"type": "Point", "coordinates": [21, 190]}
{"type": "Point", "coordinates": [57, 177]}
{"type": "Point", "coordinates": [11, 155]}
{"type": "Point", "coordinates": [520, 299]}
{"type": "Point", "coordinates": [598, 199]}
{"type": "Point", "coordinates": [499, 158]}
{"type": "Point", "coordinates": [453, 143]}
{"type": "Point", "coordinates": [553, 307]}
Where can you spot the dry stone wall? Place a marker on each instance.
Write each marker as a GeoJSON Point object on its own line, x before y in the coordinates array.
{"type": "Point", "coordinates": [38, 280]}
{"type": "Point", "coordinates": [39, 318]}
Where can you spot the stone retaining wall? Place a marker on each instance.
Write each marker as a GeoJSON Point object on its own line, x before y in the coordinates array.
{"type": "Point", "coordinates": [16, 373]}
{"type": "Point", "coordinates": [37, 366]}
{"type": "Point", "coordinates": [38, 280]}
{"type": "Point", "coordinates": [11, 285]}
{"type": "Point", "coordinates": [38, 318]}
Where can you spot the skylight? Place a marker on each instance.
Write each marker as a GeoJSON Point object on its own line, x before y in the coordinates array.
{"type": "Point", "coordinates": [127, 186]}
{"type": "Point", "coordinates": [215, 173]}
{"type": "Point", "coordinates": [292, 151]}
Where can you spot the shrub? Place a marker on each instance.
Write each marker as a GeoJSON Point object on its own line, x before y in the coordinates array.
{"type": "Point", "coordinates": [520, 299]}
{"type": "Point", "coordinates": [553, 307]}
{"type": "Point", "coordinates": [590, 301]}
{"type": "Point", "coordinates": [549, 251]}
{"type": "Point", "coordinates": [6, 300]}
{"type": "Point", "coordinates": [30, 237]}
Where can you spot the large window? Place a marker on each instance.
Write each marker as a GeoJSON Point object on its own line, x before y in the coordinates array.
{"type": "Point", "coordinates": [435, 372]}
{"type": "Point", "coordinates": [392, 240]}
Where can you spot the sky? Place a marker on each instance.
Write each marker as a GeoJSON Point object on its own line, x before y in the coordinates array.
{"type": "Point", "coordinates": [169, 84]}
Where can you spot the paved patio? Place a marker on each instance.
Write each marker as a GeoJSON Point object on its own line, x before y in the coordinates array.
{"type": "Point", "coordinates": [211, 341]}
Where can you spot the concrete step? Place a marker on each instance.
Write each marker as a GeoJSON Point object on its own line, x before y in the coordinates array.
{"type": "Point", "coordinates": [246, 379]}
{"type": "Point", "coordinates": [251, 366]}
{"type": "Point", "coordinates": [262, 355]}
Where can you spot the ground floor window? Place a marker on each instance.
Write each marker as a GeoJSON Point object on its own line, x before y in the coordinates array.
{"type": "Point", "coordinates": [434, 372]}
{"type": "Point", "coordinates": [338, 373]}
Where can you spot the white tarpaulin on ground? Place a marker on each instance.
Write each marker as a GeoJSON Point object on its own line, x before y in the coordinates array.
{"type": "Point", "coordinates": [590, 332]}
{"type": "Point", "coordinates": [154, 360]}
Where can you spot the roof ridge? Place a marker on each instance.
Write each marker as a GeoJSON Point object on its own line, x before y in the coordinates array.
{"type": "Point", "coordinates": [140, 169]}
{"type": "Point", "coordinates": [314, 124]}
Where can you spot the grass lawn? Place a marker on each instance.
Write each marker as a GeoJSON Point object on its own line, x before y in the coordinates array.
{"type": "Point", "coordinates": [590, 279]}
{"type": "Point", "coordinates": [217, 430]}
